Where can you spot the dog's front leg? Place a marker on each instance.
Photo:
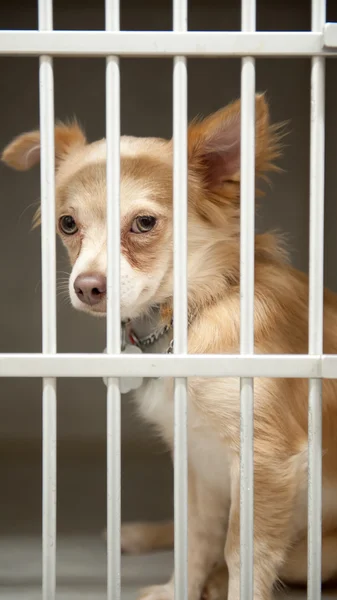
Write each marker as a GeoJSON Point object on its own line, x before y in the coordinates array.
{"type": "Point", "coordinates": [275, 485]}
{"type": "Point", "coordinates": [207, 519]}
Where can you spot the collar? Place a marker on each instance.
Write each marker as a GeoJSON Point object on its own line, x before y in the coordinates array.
{"type": "Point", "coordinates": [128, 334]}
{"type": "Point", "coordinates": [149, 339]}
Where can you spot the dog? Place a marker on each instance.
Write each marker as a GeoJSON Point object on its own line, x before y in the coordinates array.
{"type": "Point", "coordinates": [280, 322]}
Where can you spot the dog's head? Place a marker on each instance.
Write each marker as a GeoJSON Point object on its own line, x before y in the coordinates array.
{"type": "Point", "coordinates": [146, 225]}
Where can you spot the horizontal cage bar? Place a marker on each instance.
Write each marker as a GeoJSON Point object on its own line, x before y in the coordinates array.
{"type": "Point", "coordinates": [329, 366]}
{"type": "Point", "coordinates": [159, 365]}
{"type": "Point", "coordinates": [330, 35]}
{"type": "Point", "coordinates": [163, 43]}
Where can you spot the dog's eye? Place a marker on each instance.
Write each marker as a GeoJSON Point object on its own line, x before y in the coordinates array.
{"type": "Point", "coordinates": [143, 224]}
{"type": "Point", "coordinates": [68, 225]}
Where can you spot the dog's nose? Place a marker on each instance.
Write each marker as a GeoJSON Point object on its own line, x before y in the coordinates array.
{"type": "Point", "coordinates": [90, 288]}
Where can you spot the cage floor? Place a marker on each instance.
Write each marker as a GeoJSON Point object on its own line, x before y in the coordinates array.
{"type": "Point", "coordinates": [81, 559]}
{"type": "Point", "coordinates": [81, 570]}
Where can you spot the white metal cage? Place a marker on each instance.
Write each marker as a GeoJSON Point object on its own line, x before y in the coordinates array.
{"type": "Point", "coordinates": [50, 365]}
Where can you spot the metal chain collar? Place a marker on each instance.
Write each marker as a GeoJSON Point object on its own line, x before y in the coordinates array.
{"type": "Point", "coordinates": [150, 339]}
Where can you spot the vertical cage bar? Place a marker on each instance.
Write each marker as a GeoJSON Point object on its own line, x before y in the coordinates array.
{"type": "Point", "coordinates": [113, 328]}
{"type": "Point", "coordinates": [247, 248]}
{"type": "Point", "coordinates": [180, 194]}
{"type": "Point", "coordinates": [49, 335]}
{"type": "Point", "coordinates": [316, 283]}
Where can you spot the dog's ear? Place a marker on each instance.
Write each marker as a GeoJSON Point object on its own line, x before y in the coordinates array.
{"type": "Point", "coordinates": [24, 151]}
{"type": "Point", "coordinates": [214, 144]}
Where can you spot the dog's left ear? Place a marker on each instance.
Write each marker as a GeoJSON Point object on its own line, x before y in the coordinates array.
{"type": "Point", "coordinates": [214, 144]}
{"type": "Point", "coordinates": [24, 151]}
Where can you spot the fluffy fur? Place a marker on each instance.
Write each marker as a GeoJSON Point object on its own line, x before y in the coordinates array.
{"type": "Point", "coordinates": [281, 326]}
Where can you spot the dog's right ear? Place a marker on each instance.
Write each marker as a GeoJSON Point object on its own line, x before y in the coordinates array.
{"type": "Point", "coordinates": [24, 151]}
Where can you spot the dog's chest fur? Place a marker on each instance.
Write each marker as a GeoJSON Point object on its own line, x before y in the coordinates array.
{"type": "Point", "coordinates": [206, 453]}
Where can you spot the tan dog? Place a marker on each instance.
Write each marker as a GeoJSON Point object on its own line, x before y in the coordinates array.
{"type": "Point", "coordinates": [281, 324]}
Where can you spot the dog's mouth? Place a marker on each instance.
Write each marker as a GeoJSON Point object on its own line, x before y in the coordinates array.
{"type": "Point", "coordinates": [96, 309]}
{"type": "Point", "coordinates": [92, 300]}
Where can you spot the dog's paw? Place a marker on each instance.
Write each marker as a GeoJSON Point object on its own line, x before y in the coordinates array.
{"type": "Point", "coordinates": [216, 587]}
{"type": "Point", "coordinates": [157, 592]}
{"type": "Point", "coordinates": [135, 538]}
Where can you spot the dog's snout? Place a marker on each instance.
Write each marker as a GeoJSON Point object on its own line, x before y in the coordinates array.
{"type": "Point", "coordinates": [90, 288]}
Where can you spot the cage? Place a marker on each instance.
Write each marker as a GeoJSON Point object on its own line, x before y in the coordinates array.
{"type": "Point", "coordinates": [144, 69]}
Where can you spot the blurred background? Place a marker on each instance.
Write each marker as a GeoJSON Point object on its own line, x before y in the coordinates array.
{"type": "Point", "coordinates": [146, 100]}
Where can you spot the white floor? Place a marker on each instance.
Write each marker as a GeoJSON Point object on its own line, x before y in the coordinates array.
{"type": "Point", "coordinates": [81, 552]}
{"type": "Point", "coordinates": [81, 570]}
